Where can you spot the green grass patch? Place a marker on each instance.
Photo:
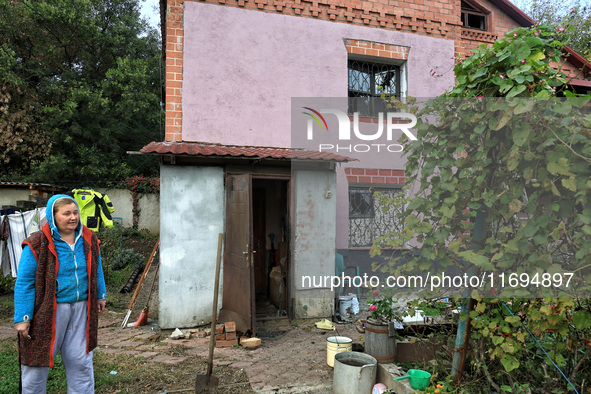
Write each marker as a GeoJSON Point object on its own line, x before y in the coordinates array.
{"type": "Point", "coordinates": [9, 367]}
{"type": "Point", "coordinates": [10, 371]}
{"type": "Point", "coordinates": [56, 380]}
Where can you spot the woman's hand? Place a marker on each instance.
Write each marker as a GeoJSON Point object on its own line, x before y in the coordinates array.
{"type": "Point", "coordinates": [101, 305]}
{"type": "Point", "coordinates": [23, 329]}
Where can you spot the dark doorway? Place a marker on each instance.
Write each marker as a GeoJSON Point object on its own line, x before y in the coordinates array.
{"type": "Point", "coordinates": [270, 243]}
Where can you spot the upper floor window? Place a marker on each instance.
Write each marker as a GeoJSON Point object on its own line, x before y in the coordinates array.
{"type": "Point", "coordinates": [473, 17]}
{"type": "Point", "coordinates": [367, 82]}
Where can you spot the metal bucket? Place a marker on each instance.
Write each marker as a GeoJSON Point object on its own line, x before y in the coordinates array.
{"type": "Point", "coordinates": [379, 343]}
{"type": "Point", "coordinates": [354, 373]}
{"type": "Point", "coordinates": [336, 345]}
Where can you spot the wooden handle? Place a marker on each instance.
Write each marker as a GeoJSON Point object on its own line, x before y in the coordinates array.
{"type": "Point", "coordinates": [215, 305]}
{"type": "Point", "coordinates": [137, 289]}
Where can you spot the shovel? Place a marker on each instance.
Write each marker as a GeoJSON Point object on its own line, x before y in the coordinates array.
{"type": "Point", "coordinates": [208, 383]}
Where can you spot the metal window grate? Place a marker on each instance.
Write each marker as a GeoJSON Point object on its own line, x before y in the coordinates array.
{"type": "Point", "coordinates": [367, 219]}
{"type": "Point", "coordinates": [360, 203]}
{"type": "Point", "coordinates": [367, 82]}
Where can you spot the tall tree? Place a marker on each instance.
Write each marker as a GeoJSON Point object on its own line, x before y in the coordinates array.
{"type": "Point", "coordinates": [572, 15]}
{"type": "Point", "coordinates": [79, 87]}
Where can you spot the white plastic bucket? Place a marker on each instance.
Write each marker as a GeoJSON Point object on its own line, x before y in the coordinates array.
{"type": "Point", "coordinates": [354, 304]}
{"type": "Point", "coordinates": [336, 345]}
{"type": "Point", "coordinates": [345, 304]}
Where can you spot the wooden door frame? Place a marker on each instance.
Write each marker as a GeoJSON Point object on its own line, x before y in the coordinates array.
{"type": "Point", "coordinates": [289, 213]}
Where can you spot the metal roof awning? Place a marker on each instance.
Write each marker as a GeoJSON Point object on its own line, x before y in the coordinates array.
{"type": "Point", "coordinates": [32, 186]}
{"type": "Point", "coordinates": [210, 150]}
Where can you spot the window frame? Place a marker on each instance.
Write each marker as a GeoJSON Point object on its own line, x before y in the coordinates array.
{"type": "Point", "coordinates": [372, 189]}
{"type": "Point", "coordinates": [376, 66]}
{"type": "Point", "coordinates": [474, 10]}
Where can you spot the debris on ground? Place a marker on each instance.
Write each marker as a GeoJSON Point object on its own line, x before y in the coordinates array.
{"type": "Point", "coordinates": [250, 343]}
{"type": "Point", "coordinates": [177, 334]}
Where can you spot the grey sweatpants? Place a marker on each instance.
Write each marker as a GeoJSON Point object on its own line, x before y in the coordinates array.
{"type": "Point", "coordinates": [70, 339]}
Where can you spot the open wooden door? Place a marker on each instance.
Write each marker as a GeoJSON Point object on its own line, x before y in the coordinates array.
{"type": "Point", "coordinates": [238, 303]}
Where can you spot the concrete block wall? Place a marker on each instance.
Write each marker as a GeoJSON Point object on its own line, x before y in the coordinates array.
{"type": "Point", "coordinates": [148, 204]}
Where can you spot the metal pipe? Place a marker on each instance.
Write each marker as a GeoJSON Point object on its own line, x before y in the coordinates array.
{"type": "Point", "coordinates": [463, 335]}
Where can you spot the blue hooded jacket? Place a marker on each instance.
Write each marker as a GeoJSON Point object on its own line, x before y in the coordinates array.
{"type": "Point", "coordinates": [72, 277]}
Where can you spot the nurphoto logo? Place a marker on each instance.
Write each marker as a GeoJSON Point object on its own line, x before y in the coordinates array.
{"type": "Point", "coordinates": [350, 130]}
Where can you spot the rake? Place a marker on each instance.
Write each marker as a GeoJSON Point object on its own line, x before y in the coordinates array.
{"type": "Point", "coordinates": [124, 323]}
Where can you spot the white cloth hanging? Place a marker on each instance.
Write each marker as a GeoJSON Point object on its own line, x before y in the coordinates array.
{"type": "Point", "coordinates": [21, 224]}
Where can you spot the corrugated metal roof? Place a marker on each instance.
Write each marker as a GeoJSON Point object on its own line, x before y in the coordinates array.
{"type": "Point", "coordinates": [26, 184]}
{"type": "Point", "coordinates": [260, 152]}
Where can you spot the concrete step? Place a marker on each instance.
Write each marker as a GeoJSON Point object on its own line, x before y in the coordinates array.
{"type": "Point", "coordinates": [387, 372]}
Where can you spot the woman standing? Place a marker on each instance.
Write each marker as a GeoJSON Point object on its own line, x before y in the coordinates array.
{"type": "Point", "coordinates": [59, 291]}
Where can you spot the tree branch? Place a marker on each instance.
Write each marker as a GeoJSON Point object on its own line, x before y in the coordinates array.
{"type": "Point", "coordinates": [483, 362]}
{"type": "Point", "coordinates": [578, 365]}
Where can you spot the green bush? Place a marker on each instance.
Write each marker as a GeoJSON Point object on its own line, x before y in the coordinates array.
{"type": "Point", "coordinates": [6, 284]}
{"type": "Point", "coordinates": [123, 257]}
{"type": "Point", "coordinates": [130, 232]}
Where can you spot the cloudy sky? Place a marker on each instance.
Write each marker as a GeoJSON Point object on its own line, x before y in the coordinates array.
{"type": "Point", "coordinates": [149, 9]}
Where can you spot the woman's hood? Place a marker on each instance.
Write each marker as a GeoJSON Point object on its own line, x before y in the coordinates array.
{"type": "Point", "coordinates": [49, 213]}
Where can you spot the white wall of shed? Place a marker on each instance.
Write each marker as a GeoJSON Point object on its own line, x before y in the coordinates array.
{"type": "Point", "coordinates": [192, 205]}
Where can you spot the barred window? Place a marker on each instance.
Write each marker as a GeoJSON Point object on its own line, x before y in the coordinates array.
{"type": "Point", "coordinates": [367, 82]}
{"type": "Point", "coordinates": [360, 203]}
{"type": "Point", "coordinates": [368, 220]}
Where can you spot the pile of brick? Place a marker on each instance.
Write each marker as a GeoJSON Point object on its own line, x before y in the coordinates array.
{"type": "Point", "coordinates": [225, 335]}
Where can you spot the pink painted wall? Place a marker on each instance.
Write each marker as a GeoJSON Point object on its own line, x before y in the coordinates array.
{"type": "Point", "coordinates": [242, 68]}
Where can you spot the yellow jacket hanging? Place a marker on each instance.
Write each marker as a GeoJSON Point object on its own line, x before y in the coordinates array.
{"type": "Point", "coordinates": [95, 208]}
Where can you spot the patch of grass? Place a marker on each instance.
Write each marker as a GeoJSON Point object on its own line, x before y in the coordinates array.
{"type": "Point", "coordinates": [56, 381]}
{"type": "Point", "coordinates": [104, 364]}
{"type": "Point", "coordinates": [7, 300]}
{"type": "Point", "coordinates": [10, 370]}
{"type": "Point", "coordinates": [9, 367]}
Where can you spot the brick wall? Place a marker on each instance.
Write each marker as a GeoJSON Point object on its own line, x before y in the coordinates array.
{"type": "Point", "coordinates": [377, 49]}
{"type": "Point", "coordinates": [435, 18]}
{"type": "Point", "coordinates": [174, 70]}
{"type": "Point", "coordinates": [432, 18]}
{"type": "Point", "coordinates": [572, 71]}
{"type": "Point", "coordinates": [375, 176]}
{"type": "Point", "coordinates": [500, 24]}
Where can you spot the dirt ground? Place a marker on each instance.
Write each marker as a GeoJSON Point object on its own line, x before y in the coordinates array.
{"type": "Point", "coordinates": [291, 358]}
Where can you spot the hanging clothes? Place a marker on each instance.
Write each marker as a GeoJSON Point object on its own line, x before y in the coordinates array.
{"type": "Point", "coordinates": [4, 234]}
{"type": "Point", "coordinates": [20, 226]}
{"type": "Point", "coordinates": [95, 208]}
